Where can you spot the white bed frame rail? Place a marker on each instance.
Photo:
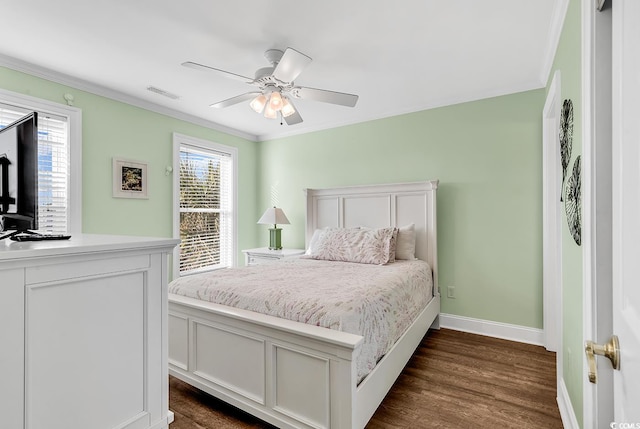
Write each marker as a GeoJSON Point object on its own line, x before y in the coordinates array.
{"type": "Point", "coordinates": [295, 375]}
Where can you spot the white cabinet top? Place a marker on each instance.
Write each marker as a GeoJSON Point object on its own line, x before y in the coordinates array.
{"type": "Point", "coordinates": [280, 253]}
{"type": "Point", "coordinates": [81, 244]}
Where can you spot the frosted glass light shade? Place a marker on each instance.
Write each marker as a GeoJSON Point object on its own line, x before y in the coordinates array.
{"type": "Point", "coordinates": [269, 113]}
{"type": "Point", "coordinates": [258, 103]}
{"type": "Point", "coordinates": [287, 108]}
{"type": "Point", "coordinates": [275, 102]}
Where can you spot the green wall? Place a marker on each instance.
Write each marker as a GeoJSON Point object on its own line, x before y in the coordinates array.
{"type": "Point", "coordinates": [111, 128]}
{"type": "Point", "coordinates": [569, 62]}
{"type": "Point", "coordinates": [488, 157]}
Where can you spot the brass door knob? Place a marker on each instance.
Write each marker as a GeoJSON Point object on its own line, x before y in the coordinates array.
{"type": "Point", "coordinates": [610, 350]}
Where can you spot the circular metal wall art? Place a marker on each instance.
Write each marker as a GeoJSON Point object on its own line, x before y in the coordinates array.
{"type": "Point", "coordinates": [566, 138]}
{"type": "Point", "coordinates": [573, 202]}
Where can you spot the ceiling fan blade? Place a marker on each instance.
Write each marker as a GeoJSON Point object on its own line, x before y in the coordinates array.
{"type": "Point", "coordinates": [325, 96]}
{"type": "Point", "coordinates": [235, 100]}
{"type": "Point", "coordinates": [202, 67]}
{"type": "Point", "coordinates": [295, 117]}
{"type": "Point", "coordinates": [291, 65]}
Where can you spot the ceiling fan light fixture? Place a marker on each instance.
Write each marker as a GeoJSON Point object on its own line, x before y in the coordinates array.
{"type": "Point", "coordinates": [287, 108]}
{"type": "Point", "coordinates": [275, 102]}
{"type": "Point", "coordinates": [258, 103]}
{"type": "Point", "coordinates": [275, 87]}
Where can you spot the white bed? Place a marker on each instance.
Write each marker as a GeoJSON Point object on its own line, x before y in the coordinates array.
{"type": "Point", "coordinates": [296, 375]}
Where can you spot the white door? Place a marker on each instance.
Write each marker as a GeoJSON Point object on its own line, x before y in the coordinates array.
{"type": "Point", "coordinates": [626, 209]}
{"type": "Point", "coordinates": [552, 222]}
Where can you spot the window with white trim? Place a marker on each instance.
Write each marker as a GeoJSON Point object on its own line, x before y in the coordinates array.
{"type": "Point", "coordinates": [205, 214]}
{"type": "Point", "coordinates": [57, 213]}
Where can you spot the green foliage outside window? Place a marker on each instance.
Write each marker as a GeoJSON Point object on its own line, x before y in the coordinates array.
{"type": "Point", "coordinates": [200, 211]}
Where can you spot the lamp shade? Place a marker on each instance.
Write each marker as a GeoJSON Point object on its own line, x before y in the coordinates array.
{"type": "Point", "coordinates": [275, 102]}
{"type": "Point", "coordinates": [287, 108]}
{"type": "Point", "coordinates": [274, 216]}
{"type": "Point", "coordinates": [258, 103]}
{"type": "Point", "coordinates": [269, 113]}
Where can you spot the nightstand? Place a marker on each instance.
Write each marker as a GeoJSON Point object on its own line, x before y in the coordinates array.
{"type": "Point", "coordinates": [263, 255]}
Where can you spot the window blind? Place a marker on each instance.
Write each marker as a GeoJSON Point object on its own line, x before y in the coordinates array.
{"type": "Point", "coordinates": [53, 167]}
{"type": "Point", "coordinates": [206, 213]}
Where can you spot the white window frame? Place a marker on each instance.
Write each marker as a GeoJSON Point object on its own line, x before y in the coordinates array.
{"type": "Point", "coordinates": [74, 122]}
{"type": "Point", "coordinates": [206, 145]}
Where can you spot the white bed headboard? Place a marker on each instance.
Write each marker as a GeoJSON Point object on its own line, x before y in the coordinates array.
{"type": "Point", "coordinates": [379, 206]}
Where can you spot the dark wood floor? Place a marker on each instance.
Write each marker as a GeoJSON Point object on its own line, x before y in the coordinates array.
{"type": "Point", "coordinates": [454, 380]}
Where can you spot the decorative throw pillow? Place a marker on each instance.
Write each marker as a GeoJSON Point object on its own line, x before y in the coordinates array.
{"type": "Point", "coordinates": [406, 243]}
{"type": "Point", "coordinates": [366, 246]}
{"type": "Point", "coordinates": [393, 245]}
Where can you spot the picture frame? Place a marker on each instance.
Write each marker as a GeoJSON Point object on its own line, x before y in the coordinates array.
{"type": "Point", "coordinates": [130, 179]}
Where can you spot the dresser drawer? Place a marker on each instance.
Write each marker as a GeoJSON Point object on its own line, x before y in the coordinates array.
{"type": "Point", "coordinates": [260, 259]}
{"type": "Point", "coordinates": [265, 255]}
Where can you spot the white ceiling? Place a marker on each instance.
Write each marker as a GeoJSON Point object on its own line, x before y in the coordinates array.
{"type": "Point", "coordinates": [399, 57]}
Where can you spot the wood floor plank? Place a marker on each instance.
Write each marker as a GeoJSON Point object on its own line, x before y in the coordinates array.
{"type": "Point", "coordinates": [454, 380]}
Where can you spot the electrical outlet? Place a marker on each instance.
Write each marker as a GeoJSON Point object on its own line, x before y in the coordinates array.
{"type": "Point", "coordinates": [451, 292]}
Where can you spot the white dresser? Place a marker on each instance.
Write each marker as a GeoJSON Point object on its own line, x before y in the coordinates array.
{"type": "Point", "coordinates": [83, 333]}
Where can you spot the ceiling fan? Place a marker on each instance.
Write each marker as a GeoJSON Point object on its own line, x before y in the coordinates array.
{"type": "Point", "coordinates": [276, 87]}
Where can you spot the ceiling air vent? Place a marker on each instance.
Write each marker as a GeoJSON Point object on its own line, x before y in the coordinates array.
{"type": "Point", "coordinates": [163, 92]}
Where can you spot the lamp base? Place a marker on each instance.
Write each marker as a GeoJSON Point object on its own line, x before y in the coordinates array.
{"type": "Point", "coordinates": [275, 242]}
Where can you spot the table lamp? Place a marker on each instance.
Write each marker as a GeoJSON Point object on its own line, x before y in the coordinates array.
{"type": "Point", "coordinates": [274, 216]}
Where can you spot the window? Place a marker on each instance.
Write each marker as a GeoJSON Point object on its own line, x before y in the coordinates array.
{"type": "Point", "coordinates": [59, 144]}
{"type": "Point", "coordinates": [204, 200]}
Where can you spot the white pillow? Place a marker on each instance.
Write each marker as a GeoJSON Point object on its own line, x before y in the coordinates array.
{"type": "Point", "coordinates": [406, 242]}
{"type": "Point", "coordinates": [313, 244]}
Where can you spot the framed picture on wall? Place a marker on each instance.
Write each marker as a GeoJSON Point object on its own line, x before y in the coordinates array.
{"type": "Point", "coordinates": [130, 179]}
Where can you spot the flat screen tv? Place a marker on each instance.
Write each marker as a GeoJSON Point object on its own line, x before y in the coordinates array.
{"type": "Point", "coordinates": [19, 176]}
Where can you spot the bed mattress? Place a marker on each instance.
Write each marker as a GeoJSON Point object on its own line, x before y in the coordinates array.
{"type": "Point", "coordinates": [377, 302]}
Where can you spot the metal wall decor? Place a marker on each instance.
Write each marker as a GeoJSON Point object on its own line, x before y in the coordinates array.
{"type": "Point", "coordinates": [573, 202]}
{"type": "Point", "coordinates": [566, 138]}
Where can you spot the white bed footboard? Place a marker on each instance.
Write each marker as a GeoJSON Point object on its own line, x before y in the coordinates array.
{"type": "Point", "coordinates": [287, 373]}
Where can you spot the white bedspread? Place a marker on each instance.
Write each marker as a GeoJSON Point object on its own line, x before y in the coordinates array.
{"type": "Point", "coordinates": [378, 302]}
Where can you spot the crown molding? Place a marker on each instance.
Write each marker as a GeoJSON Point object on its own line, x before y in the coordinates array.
{"type": "Point", "coordinates": [83, 85]}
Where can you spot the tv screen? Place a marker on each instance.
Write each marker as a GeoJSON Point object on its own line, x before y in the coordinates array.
{"type": "Point", "coordinates": [19, 175]}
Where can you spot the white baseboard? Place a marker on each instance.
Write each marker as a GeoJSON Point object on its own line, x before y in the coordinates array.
{"type": "Point", "coordinates": [505, 331]}
{"type": "Point", "coordinates": [568, 416]}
